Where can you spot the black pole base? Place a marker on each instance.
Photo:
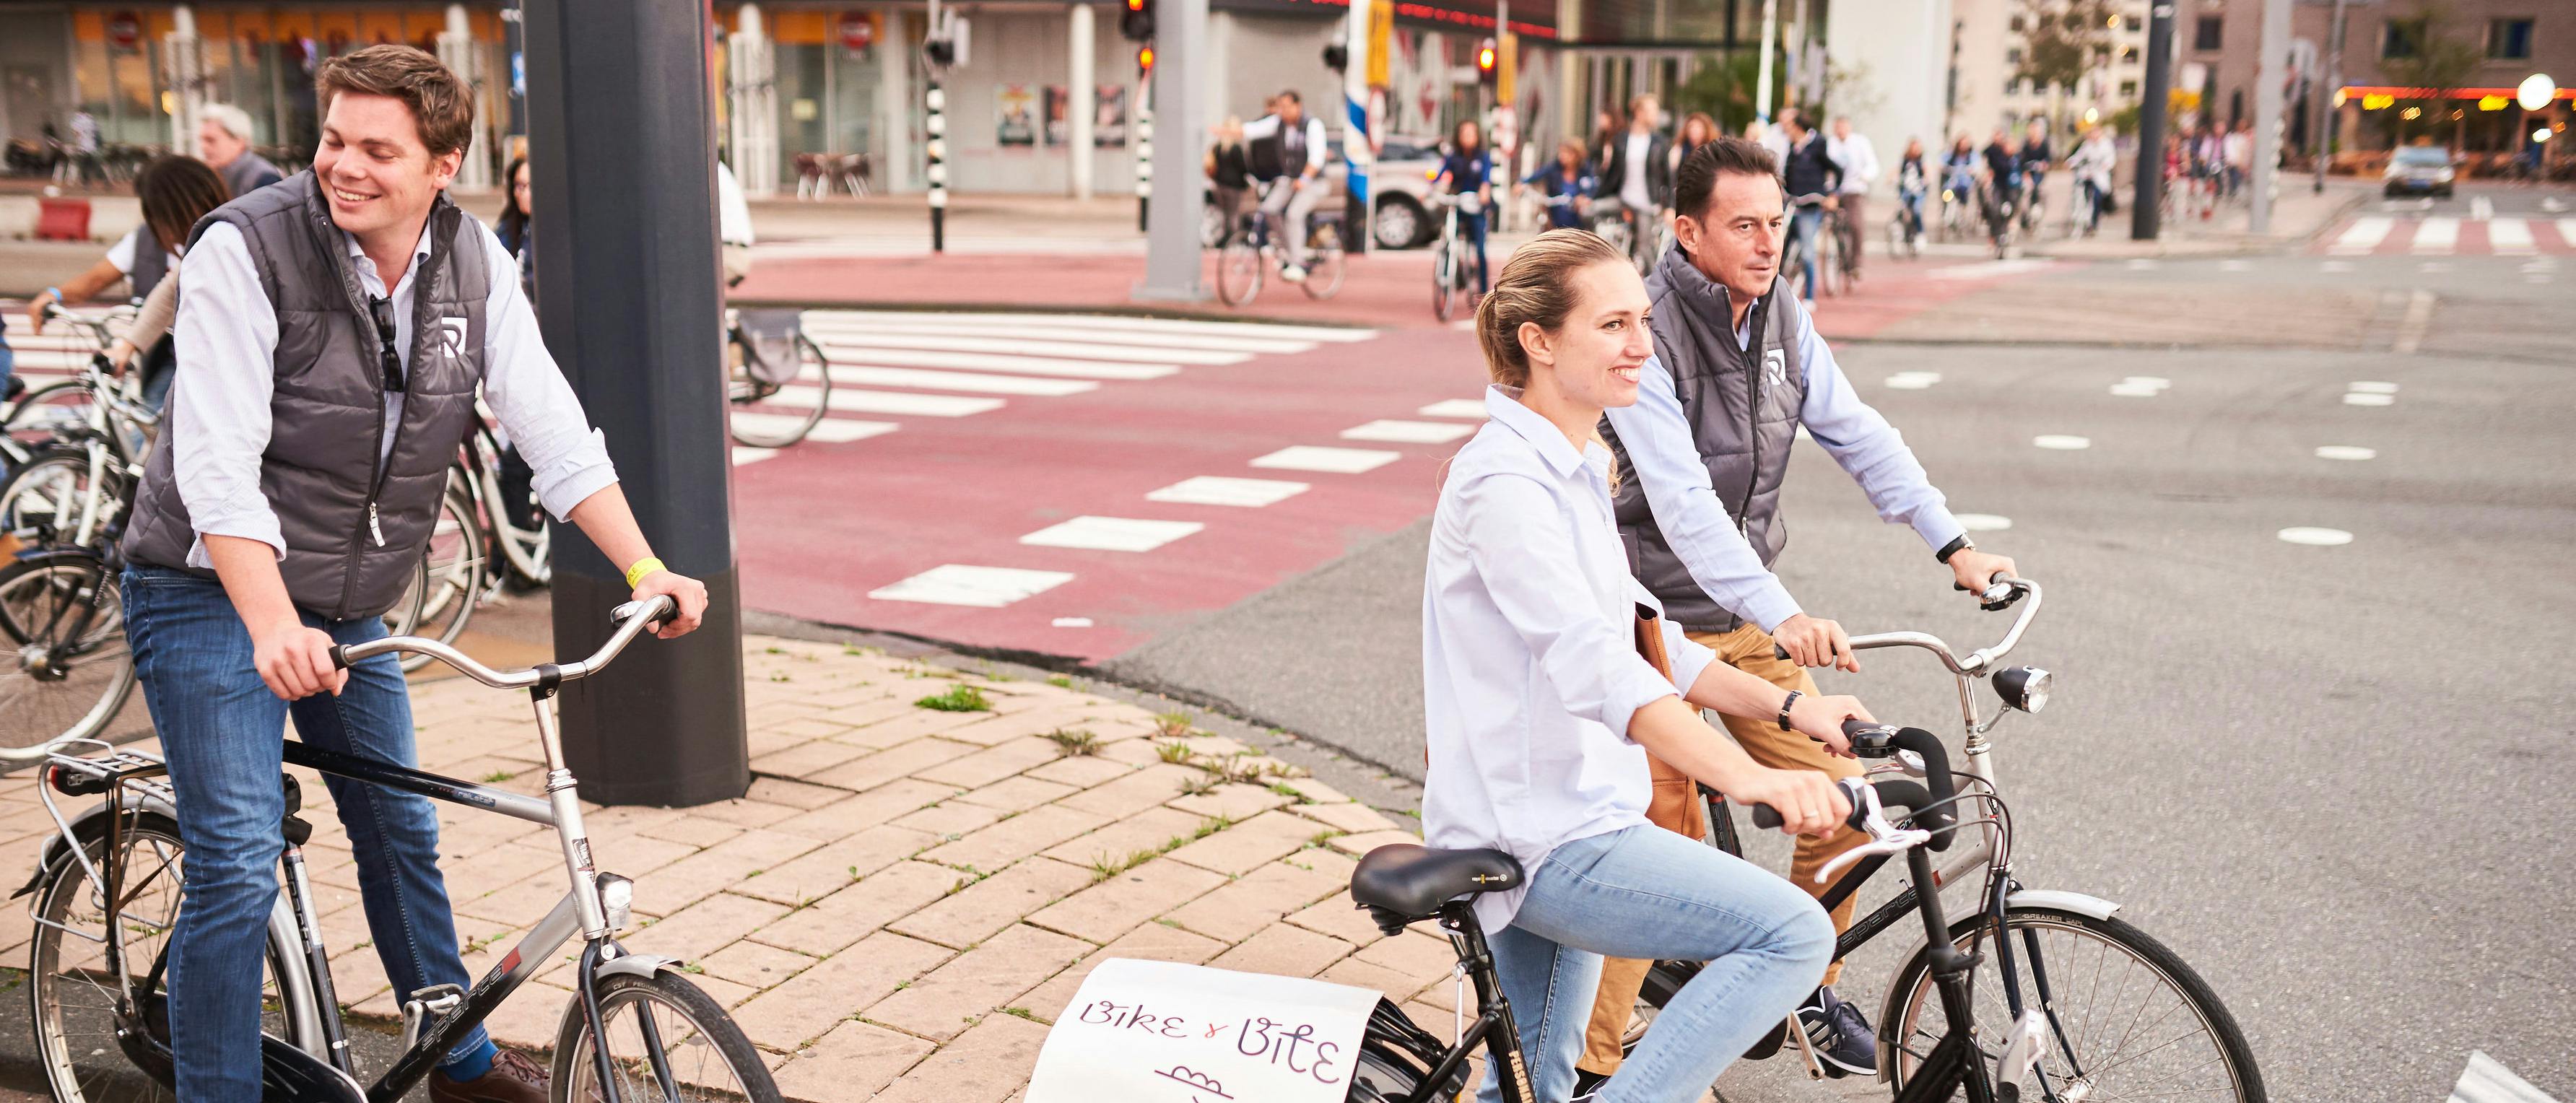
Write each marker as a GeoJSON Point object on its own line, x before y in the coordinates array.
{"type": "Point", "coordinates": [939, 229]}
{"type": "Point", "coordinates": [655, 686]}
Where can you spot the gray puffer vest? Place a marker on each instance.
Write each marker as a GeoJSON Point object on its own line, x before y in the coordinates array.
{"type": "Point", "coordinates": [1743, 410]}
{"type": "Point", "coordinates": [354, 527]}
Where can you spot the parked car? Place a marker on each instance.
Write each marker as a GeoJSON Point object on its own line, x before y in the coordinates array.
{"type": "Point", "coordinates": [2418, 170]}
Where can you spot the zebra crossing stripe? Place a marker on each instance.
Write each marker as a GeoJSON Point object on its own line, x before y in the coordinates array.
{"type": "Point", "coordinates": [2486, 1080]}
{"type": "Point", "coordinates": [2364, 234]}
{"type": "Point", "coordinates": [1325, 334]}
{"type": "Point", "coordinates": [1150, 338]}
{"type": "Point", "coordinates": [2511, 237]}
{"type": "Point", "coordinates": [967, 382]}
{"type": "Point", "coordinates": [846, 355]}
{"type": "Point", "coordinates": [2437, 235]}
{"type": "Point", "coordinates": [868, 342]}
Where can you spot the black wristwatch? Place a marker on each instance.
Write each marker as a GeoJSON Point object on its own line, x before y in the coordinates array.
{"type": "Point", "coordinates": [1784, 708]}
{"type": "Point", "coordinates": [1954, 547]}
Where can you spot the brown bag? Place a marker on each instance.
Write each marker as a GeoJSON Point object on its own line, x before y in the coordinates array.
{"type": "Point", "coordinates": [1675, 805]}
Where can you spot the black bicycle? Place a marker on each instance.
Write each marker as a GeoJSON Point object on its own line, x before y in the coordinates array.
{"type": "Point", "coordinates": [107, 899]}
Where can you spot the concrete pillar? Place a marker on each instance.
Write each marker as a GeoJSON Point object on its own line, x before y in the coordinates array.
{"type": "Point", "coordinates": [752, 63]}
{"type": "Point", "coordinates": [894, 106]}
{"type": "Point", "coordinates": [1172, 254]}
{"type": "Point", "coordinates": [456, 51]}
{"type": "Point", "coordinates": [1903, 80]}
{"type": "Point", "coordinates": [1081, 89]}
{"type": "Point", "coordinates": [183, 70]}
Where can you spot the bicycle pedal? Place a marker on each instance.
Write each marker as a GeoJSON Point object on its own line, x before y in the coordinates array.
{"type": "Point", "coordinates": [435, 1000]}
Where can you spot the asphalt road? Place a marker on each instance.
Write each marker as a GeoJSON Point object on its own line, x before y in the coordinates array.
{"type": "Point", "coordinates": [2323, 774]}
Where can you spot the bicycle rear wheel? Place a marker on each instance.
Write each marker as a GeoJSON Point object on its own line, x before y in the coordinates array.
{"type": "Point", "coordinates": [73, 992]}
{"type": "Point", "coordinates": [667, 1042]}
{"type": "Point", "coordinates": [1444, 279]}
{"type": "Point", "coordinates": [1324, 263]}
{"type": "Point", "coordinates": [45, 502]}
{"type": "Point", "coordinates": [1238, 271]}
{"type": "Point", "coordinates": [2136, 1020]}
{"type": "Point", "coordinates": [759, 414]}
{"type": "Point", "coordinates": [67, 671]}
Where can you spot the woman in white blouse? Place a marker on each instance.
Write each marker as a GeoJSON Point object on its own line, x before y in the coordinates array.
{"type": "Point", "coordinates": [1541, 711]}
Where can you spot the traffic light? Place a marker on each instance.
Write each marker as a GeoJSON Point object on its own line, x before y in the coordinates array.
{"type": "Point", "coordinates": [1337, 57]}
{"type": "Point", "coordinates": [1485, 62]}
{"type": "Point", "coordinates": [940, 52]}
{"type": "Point", "coordinates": [1138, 21]}
{"type": "Point", "coordinates": [1145, 59]}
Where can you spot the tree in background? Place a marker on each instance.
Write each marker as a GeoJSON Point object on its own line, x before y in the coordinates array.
{"type": "Point", "coordinates": [2061, 42]}
{"type": "Point", "coordinates": [2426, 52]}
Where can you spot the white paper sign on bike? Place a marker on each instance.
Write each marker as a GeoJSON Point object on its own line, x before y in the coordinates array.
{"type": "Point", "coordinates": [1160, 1032]}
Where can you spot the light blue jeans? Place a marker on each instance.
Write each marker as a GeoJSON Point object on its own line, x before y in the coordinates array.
{"type": "Point", "coordinates": [1644, 892]}
{"type": "Point", "coordinates": [1806, 224]}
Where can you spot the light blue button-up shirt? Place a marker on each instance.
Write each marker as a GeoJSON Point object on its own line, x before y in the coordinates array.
{"type": "Point", "coordinates": [1529, 657]}
{"type": "Point", "coordinates": [1664, 459]}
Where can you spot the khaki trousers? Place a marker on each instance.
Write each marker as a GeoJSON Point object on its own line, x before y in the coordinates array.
{"type": "Point", "coordinates": [1747, 649]}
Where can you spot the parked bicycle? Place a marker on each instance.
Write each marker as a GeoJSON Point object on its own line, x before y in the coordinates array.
{"type": "Point", "coordinates": [2034, 947]}
{"type": "Point", "coordinates": [1253, 252]}
{"type": "Point", "coordinates": [778, 383]}
{"type": "Point", "coordinates": [65, 670]}
{"type": "Point", "coordinates": [106, 898]}
{"type": "Point", "coordinates": [1453, 259]}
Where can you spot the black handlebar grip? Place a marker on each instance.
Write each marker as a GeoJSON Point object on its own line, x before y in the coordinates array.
{"type": "Point", "coordinates": [1768, 818]}
{"type": "Point", "coordinates": [339, 657]}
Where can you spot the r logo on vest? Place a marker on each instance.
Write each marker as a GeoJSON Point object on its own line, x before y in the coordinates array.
{"type": "Point", "coordinates": [451, 338]}
{"type": "Point", "coordinates": [1775, 367]}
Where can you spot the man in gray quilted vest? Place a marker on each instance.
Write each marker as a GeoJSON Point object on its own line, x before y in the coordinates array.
{"type": "Point", "coordinates": [333, 331]}
{"type": "Point", "coordinates": [1738, 371]}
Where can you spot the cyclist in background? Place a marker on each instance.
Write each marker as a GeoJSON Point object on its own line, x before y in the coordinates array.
{"type": "Point", "coordinates": [2092, 162]}
{"type": "Point", "coordinates": [1568, 185]}
{"type": "Point", "coordinates": [1809, 171]}
{"type": "Point", "coordinates": [1286, 151]}
{"type": "Point", "coordinates": [175, 192]}
{"type": "Point", "coordinates": [1468, 168]}
{"type": "Point", "coordinates": [2035, 159]}
{"type": "Point", "coordinates": [1636, 176]}
{"type": "Point", "coordinates": [1913, 181]}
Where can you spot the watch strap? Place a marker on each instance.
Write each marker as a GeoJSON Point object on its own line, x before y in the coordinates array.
{"type": "Point", "coordinates": [1784, 708]}
{"type": "Point", "coordinates": [1956, 545]}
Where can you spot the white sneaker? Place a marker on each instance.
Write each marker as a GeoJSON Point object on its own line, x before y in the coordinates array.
{"type": "Point", "coordinates": [1294, 273]}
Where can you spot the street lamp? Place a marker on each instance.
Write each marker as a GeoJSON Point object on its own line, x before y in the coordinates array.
{"type": "Point", "coordinates": [2536, 92]}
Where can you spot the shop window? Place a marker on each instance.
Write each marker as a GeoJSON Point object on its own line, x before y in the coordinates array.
{"type": "Point", "coordinates": [2509, 39]}
{"type": "Point", "coordinates": [2398, 38]}
{"type": "Point", "coordinates": [2208, 32]}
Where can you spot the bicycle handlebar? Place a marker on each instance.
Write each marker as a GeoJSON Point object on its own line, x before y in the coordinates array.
{"type": "Point", "coordinates": [2007, 590]}
{"type": "Point", "coordinates": [631, 620]}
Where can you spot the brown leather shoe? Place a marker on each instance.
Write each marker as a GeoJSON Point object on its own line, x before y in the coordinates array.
{"type": "Point", "coordinates": [515, 1078]}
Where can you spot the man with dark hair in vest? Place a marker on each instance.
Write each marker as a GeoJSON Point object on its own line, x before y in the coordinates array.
{"type": "Point", "coordinates": [333, 331]}
{"type": "Point", "coordinates": [1738, 369]}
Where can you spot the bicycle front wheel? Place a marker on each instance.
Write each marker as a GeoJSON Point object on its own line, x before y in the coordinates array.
{"type": "Point", "coordinates": [764, 415]}
{"type": "Point", "coordinates": [666, 1042]}
{"type": "Point", "coordinates": [1238, 271]}
{"type": "Point", "coordinates": [2125, 1017]}
{"type": "Point", "coordinates": [68, 671]}
{"type": "Point", "coordinates": [450, 579]}
{"type": "Point", "coordinates": [1444, 280]}
{"type": "Point", "coordinates": [1324, 263]}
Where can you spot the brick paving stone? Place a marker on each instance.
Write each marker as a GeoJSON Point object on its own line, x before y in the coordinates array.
{"type": "Point", "coordinates": [530, 1019]}
{"type": "Point", "coordinates": [889, 765]}
{"type": "Point", "coordinates": [1314, 790]}
{"type": "Point", "coordinates": [856, 814]}
{"type": "Point", "coordinates": [745, 812]}
{"type": "Point", "coordinates": [1339, 917]}
{"type": "Point", "coordinates": [706, 926]}
{"type": "Point", "coordinates": [1028, 722]}
{"type": "Point", "coordinates": [803, 759]}
{"type": "Point", "coordinates": [918, 722]}
{"type": "Point", "coordinates": [994, 763]}
{"type": "Point", "coordinates": [991, 905]}
{"type": "Point", "coordinates": [1114, 906]}
{"type": "Point", "coordinates": [1415, 953]}
{"type": "Point", "coordinates": [793, 794]}
{"type": "Point", "coordinates": [827, 869]}
{"type": "Point", "coordinates": [978, 982]}
{"type": "Point", "coordinates": [1018, 794]}
{"type": "Point", "coordinates": [1151, 942]}
{"type": "Point", "coordinates": [1139, 790]}
{"type": "Point", "coordinates": [951, 819]}
{"type": "Point", "coordinates": [1359, 845]}
{"type": "Point", "coordinates": [1147, 831]}
{"type": "Point", "coordinates": [1131, 752]}
{"type": "Point", "coordinates": [1233, 801]}
{"type": "Point", "coordinates": [1246, 846]}
{"type": "Point", "coordinates": [748, 962]}
{"type": "Point", "coordinates": [1015, 838]}
{"type": "Point", "coordinates": [850, 914]}
{"type": "Point", "coordinates": [693, 829]}
{"type": "Point", "coordinates": [1255, 900]}
{"type": "Point", "coordinates": [1387, 982]}
{"type": "Point", "coordinates": [1284, 950]}
{"type": "Point", "coordinates": [834, 989]}
{"type": "Point", "coordinates": [718, 867]}
{"type": "Point", "coordinates": [852, 1062]}
{"type": "Point", "coordinates": [1081, 771]}
{"type": "Point", "coordinates": [1353, 819]}
{"type": "Point", "coordinates": [603, 823]}
{"type": "Point", "coordinates": [868, 714]}
{"type": "Point", "coordinates": [985, 1065]}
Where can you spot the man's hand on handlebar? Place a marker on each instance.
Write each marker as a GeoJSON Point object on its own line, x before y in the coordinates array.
{"type": "Point", "coordinates": [688, 593]}
{"type": "Point", "coordinates": [1813, 642]}
{"type": "Point", "coordinates": [1808, 802]}
{"type": "Point", "coordinates": [1822, 719]}
{"type": "Point", "coordinates": [295, 660]}
{"type": "Point", "coordinates": [1975, 571]}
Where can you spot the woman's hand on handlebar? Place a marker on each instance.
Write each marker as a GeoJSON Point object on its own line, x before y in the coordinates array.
{"type": "Point", "coordinates": [1821, 718]}
{"type": "Point", "coordinates": [1809, 803]}
{"type": "Point", "coordinates": [688, 593]}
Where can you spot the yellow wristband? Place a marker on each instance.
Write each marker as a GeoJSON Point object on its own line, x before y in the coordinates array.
{"type": "Point", "coordinates": [642, 567]}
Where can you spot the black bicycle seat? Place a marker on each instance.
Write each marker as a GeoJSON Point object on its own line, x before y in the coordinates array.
{"type": "Point", "coordinates": [1401, 882]}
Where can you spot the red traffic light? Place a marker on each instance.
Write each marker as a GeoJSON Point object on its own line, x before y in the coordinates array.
{"type": "Point", "coordinates": [1485, 58]}
{"type": "Point", "coordinates": [1145, 57]}
{"type": "Point", "coordinates": [1135, 5]}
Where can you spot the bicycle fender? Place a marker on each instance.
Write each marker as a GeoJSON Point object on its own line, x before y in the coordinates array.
{"type": "Point", "coordinates": [638, 965]}
{"type": "Point", "coordinates": [82, 826]}
{"type": "Point", "coordinates": [2091, 907]}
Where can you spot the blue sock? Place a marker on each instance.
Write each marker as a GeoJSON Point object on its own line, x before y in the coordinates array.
{"type": "Point", "coordinates": [473, 1065]}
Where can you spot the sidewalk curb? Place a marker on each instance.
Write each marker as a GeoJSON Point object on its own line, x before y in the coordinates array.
{"type": "Point", "coordinates": [2226, 245]}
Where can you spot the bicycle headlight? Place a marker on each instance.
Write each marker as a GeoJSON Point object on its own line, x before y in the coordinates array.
{"type": "Point", "coordinates": [617, 899]}
{"type": "Point", "coordinates": [2024, 687]}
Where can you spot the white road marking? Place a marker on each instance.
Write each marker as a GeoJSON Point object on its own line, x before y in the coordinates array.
{"type": "Point", "coordinates": [1337, 461]}
{"type": "Point", "coordinates": [2062, 443]}
{"type": "Point", "coordinates": [968, 382]}
{"type": "Point", "coordinates": [2481, 208]}
{"type": "Point", "coordinates": [2141, 264]}
{"type": "Point", "coordinates": [2567, 230]}
{"type": "Point", "coordinates": [2345, 452]}
{"type": "Point", "coordinates": [1983, 269]}
{"type": "Point", "coordinates": [1913, 380]}
{"type": "Point", "coordinates": [1455, 407]}
{"type": "Point", "coordinates": [2316, 537]}
{"type": "Point", "coordinates": [2235, 266]}
{"type": "Point", "coordinates": [2369, 386]}
{"type": "Point", "coordinates": [2432, 267]}
{"type": "Point", "coordinates": [851, 401]}
{"type": "Point", "coordinates": [2360, 399]}
{"type": "Point", "coordinates": [981, 587]}
{"type": "Point", "coordinates": [1409, 432]}
{"type": "Point", "coordinates": [830, 430]}
{"type": "Point", "coordinates": [2334, 266]}
{"type": "Point", "coordinates": [1983, 522]}
{"type": "Point", "coordinates": [868, 342]}
{"type": "Point", "coordinates": [2511, 237]}
{"type": "Point", "coordinates": [849, 355]}
{"type": "Point", "coordinates": [742, 456]}
{"type": "Point", "coordinates": [2486, 1080]}
{"type": "Point", "coordinates": [1329, 334]}
{"type": "Point", "coordinates": [2364, 234]}
{"type": "Point", "coordinates": [1125, 534]}
{"type": "Point", "coordinates": [2141, 386]}
{"type": "Point", "coordinates": [1157, 339]}
{"type": "Point", "coordinates": [1070, 622]}
{"type": "Point", "coordinates": [2439, 234]}
{"type": "Point", "coordinates": [2419, 316]}
{"type": "Point", "coordinates": [1219, 490]}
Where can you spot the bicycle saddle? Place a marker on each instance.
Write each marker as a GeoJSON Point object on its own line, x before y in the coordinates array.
{"type": "Point", "coordinates": [1401, 882]}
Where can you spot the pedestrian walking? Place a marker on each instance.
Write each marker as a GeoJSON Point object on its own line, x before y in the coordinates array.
{"type": "Point", "coordinates": [223, 140]}
{"type": "Point", "coordinates": [1738, 371]}
{"type": "Point", "coordinates": [513, 229]}
{"type": "Point", "coordinates": [333, 335]}
{"type": "Point", "coordinates": [1858, 161]}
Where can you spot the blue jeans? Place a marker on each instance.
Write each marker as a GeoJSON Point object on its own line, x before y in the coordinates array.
{"type": "Point", "coordinates": [1644, 892]}
{"type": "Point", "coordinates": [1805, 226]}
{"type": "Point", "coordinates": [1473, 226]}
{"type": "Point", "coordinates": [219, 727]}
{"type": "Point", "coordinates": [1913, 203]}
